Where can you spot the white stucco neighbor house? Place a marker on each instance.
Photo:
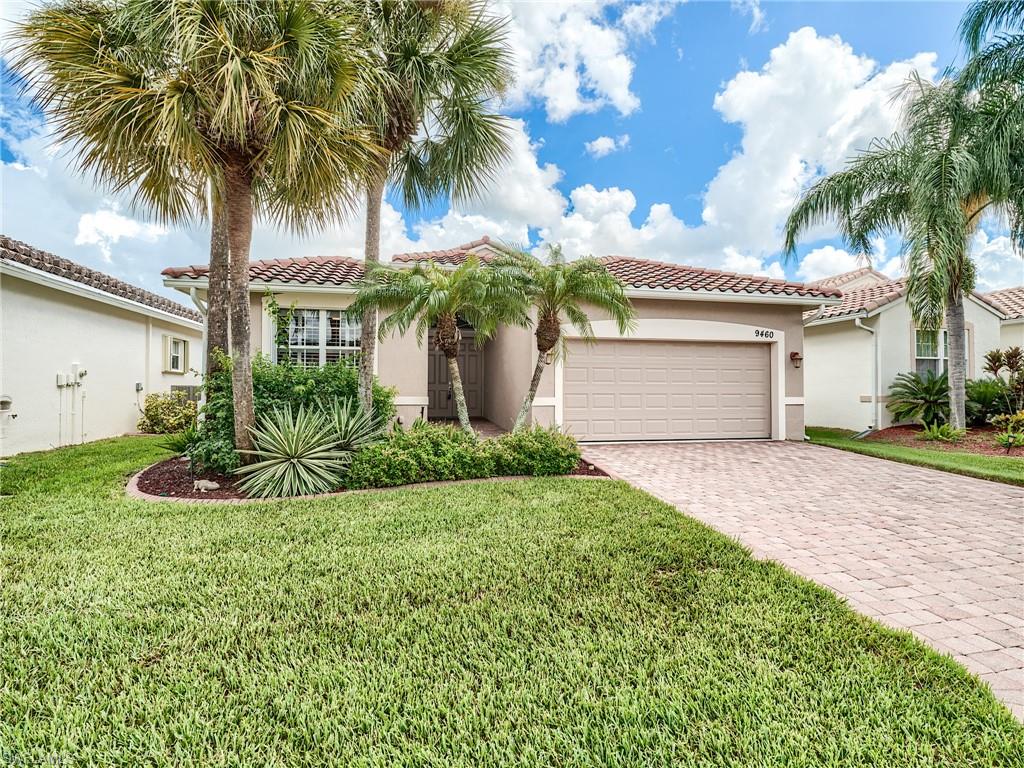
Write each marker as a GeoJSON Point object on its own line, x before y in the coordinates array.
{"type": "Point", "coordinates": [853, 350]}
{"type": "Point", "coordinates": [79, 350]}
{"type": "Point", "coordinates": [1011, 302]}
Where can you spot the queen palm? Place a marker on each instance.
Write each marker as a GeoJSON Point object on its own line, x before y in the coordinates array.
{"type": "Point", "coordinates": [994, 35]}
{"type": "Point", "coordinates": [254, 99]}
{"type": "Point", "coordinates": [430, 296]}
{"type": "Point", "coordinates": [931, 185]}
{"type": "Point", "coordinates": [565, 291]}
{"type": "Point", "coordinates": [444, 65]}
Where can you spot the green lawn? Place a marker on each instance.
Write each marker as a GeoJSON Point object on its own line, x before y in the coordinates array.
{"type": "Point", "coordinates": [563, 622]}
{"type": "Point", "coordinates": [1004, 469]}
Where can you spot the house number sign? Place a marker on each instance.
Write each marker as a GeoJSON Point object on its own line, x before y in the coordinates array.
{"type": "Point", "coordinates": [763, 333]}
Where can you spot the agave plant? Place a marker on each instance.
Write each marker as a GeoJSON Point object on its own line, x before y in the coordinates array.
{"type": "Point", "coordinates": [355, 428]}
{"type": "Point", "coordinates": [296, 455]}
{"type": "Point", "coordinates": [924, 399]}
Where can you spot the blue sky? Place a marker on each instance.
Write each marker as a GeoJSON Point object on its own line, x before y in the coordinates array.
{"type": "Point", "coordinates": [704, 120]}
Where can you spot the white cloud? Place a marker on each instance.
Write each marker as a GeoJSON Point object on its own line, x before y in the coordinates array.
{"type": "Point", "coordinates": [826, 262]}
{"type": "Point", "coordinates": [998, 265]}
{"type": "Point", "coordinates": [812, 105]}
{"type": "Point", "coordinates": [106, 227]}
{"type": "Point", "coordinates": [605, 145]}
{"type": "Point", "coordinates": [758, 18]}
{"type": "Point", "coordinates": [574, 56]}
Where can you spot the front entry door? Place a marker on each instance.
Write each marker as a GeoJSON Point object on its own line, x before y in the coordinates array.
{"type": "Point", "coordinates": [440, 400]}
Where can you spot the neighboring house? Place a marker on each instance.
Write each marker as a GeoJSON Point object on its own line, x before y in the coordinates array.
{"type": "Point", "coordinates": [1011, 302]}
{"type": "Point", "coordinates": [856, 348]}
{"type": "Point", "coordinates": [712, 355]}
{"type": "Point", "coordinates": [80, 349]}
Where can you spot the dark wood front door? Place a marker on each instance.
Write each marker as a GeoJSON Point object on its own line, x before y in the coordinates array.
{"type": "Point", "coordinates": [441, 402]}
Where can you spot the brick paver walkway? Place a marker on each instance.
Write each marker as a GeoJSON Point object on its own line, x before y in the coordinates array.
{"type": "Point", "coordinates": [919, 549]}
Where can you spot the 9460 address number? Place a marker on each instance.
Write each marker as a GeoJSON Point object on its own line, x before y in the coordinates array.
{"type": "Point", "coordinates": [762, 333]}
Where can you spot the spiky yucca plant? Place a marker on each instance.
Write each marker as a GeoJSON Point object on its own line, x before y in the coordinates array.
{"type": "Point", "coordinates": [297, 455]}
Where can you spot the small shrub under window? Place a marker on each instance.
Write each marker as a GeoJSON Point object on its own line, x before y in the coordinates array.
{"type": "Point", "coordinates": [165, 413]}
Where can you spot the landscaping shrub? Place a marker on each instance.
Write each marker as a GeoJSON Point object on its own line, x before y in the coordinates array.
{"type": "Point", "coordinates": [1009, 422]}
{"type": "Point", "coordinates": [297, 455]}
{"type": "Point", "coordinates": [1009, 440]}
{"type": "Point", "coordinates": [924, 399]}
{"type": "Point", "coordinates": [536, 451]}
{"type": "Point", "coordinates": [985, 398]}
{"type": "Point", "coordinates": [275, 386]}
{"type": "Point", "coordinates": [422, 453]}
{"type": "Point", "coordinates": [164, 413]}
{"type": "Point", "coordinates": [946, 433]}
{"type": "Point", "coordinates": [428, 452]}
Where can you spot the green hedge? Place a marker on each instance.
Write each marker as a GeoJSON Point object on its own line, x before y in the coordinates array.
{"type": "Point", "coordinates": [430, 452]}
{"type": "Point", "coordinates": [275, 386]}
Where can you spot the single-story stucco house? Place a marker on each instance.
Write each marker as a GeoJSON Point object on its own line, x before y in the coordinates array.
{"type": "Point", "coordinates": [79, 350]}
{"type": "Point", "coordinates": [1011, 302]}
{"type": "Point", "coordinates": [856, 348]}
{"type": "Point", "coordinates": [714, 355]}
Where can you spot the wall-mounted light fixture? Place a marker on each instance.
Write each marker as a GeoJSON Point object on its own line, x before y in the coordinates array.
{"type": "Point", "coordinates": [796, 359]}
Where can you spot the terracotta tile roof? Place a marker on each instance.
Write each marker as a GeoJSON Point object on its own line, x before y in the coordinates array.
{"type": "Point", "coordinates": [321, 270]}
{"type": "Point", "coordinates": [454, 255]}
{"type": "Point", "coordinates": [636, 273]}
{"type": "Point", "coordinates": [17, 251]}
{"type": "Point", "coordinates": [1010, 301]}
{"type": "Point", "coordinates": [643, 273]}
{"type": "Point", "coordinates": [861, 300]}
{"type": "Point", "coordinates": [838, 281]}
{"type": "Point", "coordinates": [872, 297]}
{"type": "Point", "coordinates": [327, 270]}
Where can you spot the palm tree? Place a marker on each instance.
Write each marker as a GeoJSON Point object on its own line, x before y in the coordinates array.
{"type": "Point", "coordinates": [563, 291]}
{"type": "Point", "coordinates": [931, 185]}
{"type": "Point", "coordinates": [993, 59]}
{"type": "Point", "coordinates": [430, 296]}
{"type": "Point", "coordinates": [445, 65]}
{"type": "Point", "coordinates": [254, 98]}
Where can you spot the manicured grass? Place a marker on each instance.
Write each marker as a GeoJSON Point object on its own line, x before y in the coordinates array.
{"type": "Point", "coordinates": [1004, 469]}
{"type": "Point", "coordinates": [542, 622]}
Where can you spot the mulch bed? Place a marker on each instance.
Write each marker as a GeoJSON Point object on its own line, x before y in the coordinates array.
{"type": "Point", "coordinates": [171, 479]}
{"type": "Point", "coordinates": [979, 440]}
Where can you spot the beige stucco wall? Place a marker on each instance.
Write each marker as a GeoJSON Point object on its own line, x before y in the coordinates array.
{"type": "Point", "coordinates": [507, 372]}
{"type": "Point", "coordinates": [44, 331]}
{"type": "Point", "coordinates": [837, 372]}
{"type": "Point", "coordinates": [1012, 334]}
{"type": "Point", "coordinates": [842, 366]}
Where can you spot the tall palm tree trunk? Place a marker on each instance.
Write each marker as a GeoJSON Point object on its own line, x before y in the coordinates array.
{"type": "Point", "coordinates": [531, 393]}
{"type": "Point", "coordinates": [238, 202]}
{"type": "Point", "coordinates": [217, 292]}
{"type": "Point", "coordinates": [368, 335]}
{"type": "Point", "coordinates": [957, 363]}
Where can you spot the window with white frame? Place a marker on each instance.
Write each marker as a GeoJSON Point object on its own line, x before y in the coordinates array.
{"type": "Point", "coordinates": [175, 355]}
{"type": "Point", "coordinates": [931, 350]}
{"type": "Point", "coordinates": [319, 336]}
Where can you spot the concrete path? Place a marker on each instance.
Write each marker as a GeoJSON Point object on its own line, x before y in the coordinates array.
{"type": "Point", "coordinates": [919, 549]}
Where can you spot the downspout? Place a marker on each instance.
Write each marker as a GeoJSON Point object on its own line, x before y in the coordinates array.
{"type": "Point", "coordinates": [876, 367]}
{"type": "Point", "coordinates": [193, 293]}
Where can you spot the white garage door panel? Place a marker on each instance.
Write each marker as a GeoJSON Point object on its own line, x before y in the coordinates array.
{"type": "Point", "coordinates": [660, 390]}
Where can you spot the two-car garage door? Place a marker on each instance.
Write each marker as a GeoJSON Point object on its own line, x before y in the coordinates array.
{"type": "Point", "coordinates": [666, 390]}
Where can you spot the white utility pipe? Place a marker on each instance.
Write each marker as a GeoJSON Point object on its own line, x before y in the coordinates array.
{"type": "Point", "coordinates": [875, 374]}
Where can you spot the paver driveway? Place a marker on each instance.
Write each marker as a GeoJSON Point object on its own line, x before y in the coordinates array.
{"type": "Point", "coordinates": [919, 549]}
